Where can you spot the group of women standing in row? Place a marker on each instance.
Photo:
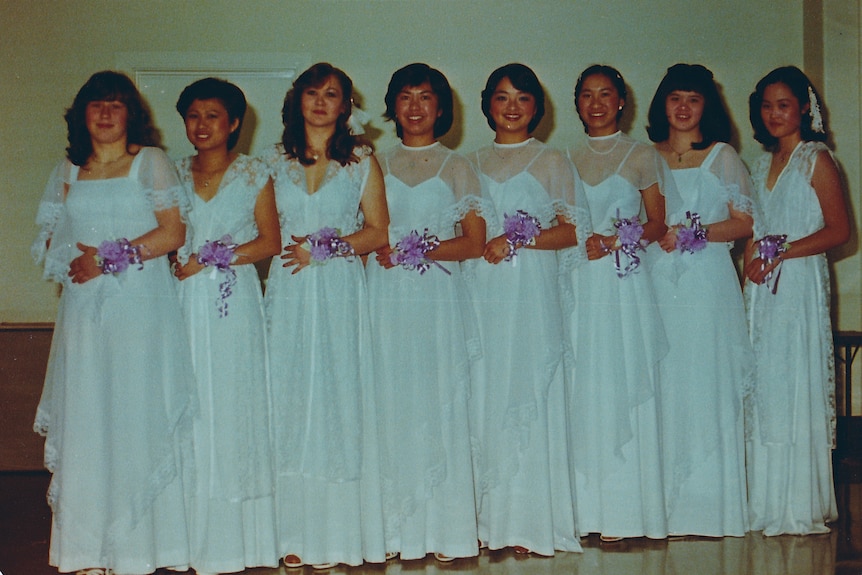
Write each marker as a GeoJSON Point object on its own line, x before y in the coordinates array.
{"type": "Point", "coordinates": [513, 349]}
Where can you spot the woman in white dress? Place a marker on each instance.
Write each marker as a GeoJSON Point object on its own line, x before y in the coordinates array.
{"type": "Point", "coordinates": [419, 336]}
{"type": "Point", "coordinates": [517, 410]}
{"type": "Point", "coordinates": [231, 499]}
{"type": "Point", "coordinates": [617, 337]}
{"type": "Point", "coordinates": [332, 208]}
{"type": "Point", "coordinates": [800, 213]}
{"type": "Point", "coordinates": [709, 365]}
{"type": "Point", "coordinates": [115, 408]}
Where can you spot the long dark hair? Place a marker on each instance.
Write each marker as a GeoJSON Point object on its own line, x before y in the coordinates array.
{"type": "Point", "coordinates": [802, 89]}
{"type": "Point", "coordinates": [342, 143]}
{"type": "Point", "coordinates": [715, 123]}
{"type": "Point", "coordinates": [417, 74]}
{"type": "Point", "coordinates": [523, 79]}
{"type": "Point", "coordinates": [108, 86]}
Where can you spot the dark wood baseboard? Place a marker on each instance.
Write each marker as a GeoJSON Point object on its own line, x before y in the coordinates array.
{"type": "Point", "coordinates": [23, 358]}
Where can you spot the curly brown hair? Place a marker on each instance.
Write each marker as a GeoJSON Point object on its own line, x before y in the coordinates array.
{"type": "Point", "coordinates": [108, 86]}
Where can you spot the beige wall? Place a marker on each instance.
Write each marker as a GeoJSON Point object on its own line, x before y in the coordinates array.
{"type": "Point", "coordinates": [49, 49]}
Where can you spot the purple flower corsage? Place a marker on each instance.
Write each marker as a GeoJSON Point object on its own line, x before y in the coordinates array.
{"type": "Point", "coordinates": [114, 257]}
{"type": "Point", "coordinates": [691, 237]}
{"type": "Point", "coordinates": [771, 248]}
{"type": "Point", "coordinates": [326, 243]}
{"type": "Point", "coordinates": [521, 229]}
{"type": "Point", "coordinates": [411, 252]}
{"type": "Point", "coordinates": [219, 254]}
{"type": "Point", "coordinates": [629, 234]}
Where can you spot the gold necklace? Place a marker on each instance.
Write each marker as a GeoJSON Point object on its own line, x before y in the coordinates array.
{"type": "Point", "coordinates": [208, 176]}
{"type": "Point", "coordinates": [679, 155]}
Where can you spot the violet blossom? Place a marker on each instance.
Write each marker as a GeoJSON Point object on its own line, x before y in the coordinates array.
{"type": "Point", "coordinates": [520, 229]}
{"type": "Point", "coordinates": [219, 254]}
{"type": "Point", "coordinates": [629, 232]}
{"type": "Point", "coordinates": [691, 237]}
{"type": "Point", "coordinates": [326, 243]}
{"type": "Point", "coordinates": [114, 257]}
{"type": "Point", "coordinates": [411, 252]}
{"type": "Point", "coordinates": [771, 248]}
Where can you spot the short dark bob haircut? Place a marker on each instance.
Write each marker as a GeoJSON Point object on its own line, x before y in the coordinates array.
{"type": "Point", "coordinates": [608, 72]}
{"type": "Point", "coordinates": [230, 96]}
{"type": "Point", "coordinates": [523, 79]}
{"type": "Point", "coordinates": [108, 86]}
{"type": "Point", "coordinates": [342, 143]}
{"type": "Point", "coordinates": [799, 85]}
{"type": "Point", "coordinates": [715, 123]}
{"type": "Point", "coordinates": [413, 75]}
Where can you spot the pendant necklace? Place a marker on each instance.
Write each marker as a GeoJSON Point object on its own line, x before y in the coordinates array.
{"type": "Point", "coordinates": [679, 155]}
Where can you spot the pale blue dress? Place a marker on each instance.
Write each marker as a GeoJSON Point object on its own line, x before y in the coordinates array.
{"type": "Point", "coordinates": [709, 365]}
{"type": "Point", "coordinates": [617, 340]}
{"type": "Point", "coordinates": [231, 498]}
{"type": "Point", "coordinates": [328, 477]}
{"type": "Point", "coordinates": [791, 428]}
{"type": "Point", "coordinates": [116, 404]}
{"type": "Point", "coordinates": [517, 407]}
{"type": "Point", "coordinates": [421, 339]}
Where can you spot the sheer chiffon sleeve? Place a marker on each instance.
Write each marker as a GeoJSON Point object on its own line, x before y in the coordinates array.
{"type": "Point", "coordinates": [53, 245]}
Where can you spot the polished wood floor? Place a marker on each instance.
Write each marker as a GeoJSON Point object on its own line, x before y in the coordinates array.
{"type": "Point", "coordinates": [25, 526]}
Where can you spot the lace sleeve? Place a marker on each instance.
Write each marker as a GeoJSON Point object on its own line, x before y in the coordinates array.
{"type": "Point", "coordinates": [51, 208]}
{"type": "Point", "coordinates": [645, 167]}
{"type": "Point", "coordinates": [483, 204]}
{"type": "Point", "coordinates": [460, 175]}
{"type": "Point", "coordinates": [257, 173]}
{"type": "Point", "coordinates": [576, 212]}
{"type": "Point", "coordinates": [734, 176]}
{"type": "Point", "coordinates": [53, 245]}
{"type": "Point", "coordinates": [160, 182]}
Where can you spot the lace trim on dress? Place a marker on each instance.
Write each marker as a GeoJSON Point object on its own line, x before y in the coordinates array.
{"type": "Point", "coordinates": [827, 351]}
{"type": "Point", "coordinates": [575, 256]}
{"type": "Point", "coordinates": [296, 171]}
{"type": "Point", "coordinates": [740, 201]}
{"type": "Point", "coordinates": [47, 217]}
{"type": "Point", "coordinates": [398, 502]}
{"type": "Point", "coordinates": [456, 212]}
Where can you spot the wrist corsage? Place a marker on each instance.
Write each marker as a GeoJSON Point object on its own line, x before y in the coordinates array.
{"type": "Point", "coordinates": [411, 252]}
{"type": "Point", "coordinates": [521, 229]}
{"type": "Point", "coordinates": [114, 257]}
{"type": "Point", "coordinates": [326, 243]}
{"type": "Point", "coordinates": [629, 233]}
{"type": "Point", "coordinates": [771, 248]}
{"type": "Point", "coordinates": [219, 254]}
{"type": "Point", "coordinates": [691, 236]}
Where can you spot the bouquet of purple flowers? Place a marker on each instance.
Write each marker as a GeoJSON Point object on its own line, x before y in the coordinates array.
{"type": "Point", "coordinates": [411, 252]}
{"type": "Point", "coordinates": [219, 254]}
{"type": "Point", "coordinates": [629, 234]}
{"type": "Point", "coordinates": [521, 229]}
{"type": "Point", "coordinates": [116, 256]}
{"type": "Point", "coordinates": [692, 236]}
{"type": "Point", "coordinates": [326, 243]}
{"type": "Point", "coordinates": [771, 248]}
